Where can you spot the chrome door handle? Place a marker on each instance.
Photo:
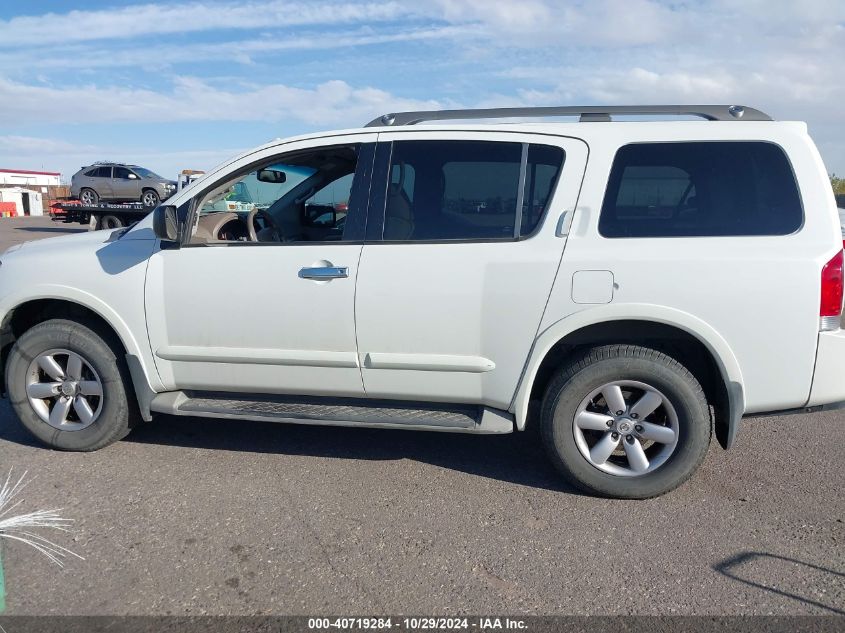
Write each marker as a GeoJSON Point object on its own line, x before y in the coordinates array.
{"type": "Point", "coordinates": [323, 273]}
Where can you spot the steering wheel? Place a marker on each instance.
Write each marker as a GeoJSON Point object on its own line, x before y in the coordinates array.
{"type": "Point", "coordinates": [269, 223]}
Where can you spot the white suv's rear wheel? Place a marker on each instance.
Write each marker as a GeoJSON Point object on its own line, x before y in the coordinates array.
{"type": "Point", "coordinates": [626, 421]}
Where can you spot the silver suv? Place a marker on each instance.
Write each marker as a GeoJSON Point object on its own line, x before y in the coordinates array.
{"type": "Point", "coordinates": [117, 182]}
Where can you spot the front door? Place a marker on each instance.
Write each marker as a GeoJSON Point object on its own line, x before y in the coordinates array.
{"type": "Point", "coordinates": [261, 299]}
{"type": "Point", "coordinates": [453, 284]}
{"type": "Point", "coordinates": [125, 184]}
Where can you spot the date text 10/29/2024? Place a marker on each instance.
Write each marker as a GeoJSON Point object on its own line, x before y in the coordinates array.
{"type": "Point", "coordinates": [417, 624]}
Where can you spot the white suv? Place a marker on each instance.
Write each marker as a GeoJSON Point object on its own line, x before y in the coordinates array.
{"type": "Point", "coordinates": [645, 283]}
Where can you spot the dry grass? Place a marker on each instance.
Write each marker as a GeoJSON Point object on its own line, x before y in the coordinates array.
{"type": "Point", "coordinates": [20, 527]}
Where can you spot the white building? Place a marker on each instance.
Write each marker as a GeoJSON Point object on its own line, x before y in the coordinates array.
{"type": "Point", "coordinates": [29, 179]}
{"type": "Point", "coordinates": [26, 201]}
{"type": "Point", "coordinates": [30, 191]}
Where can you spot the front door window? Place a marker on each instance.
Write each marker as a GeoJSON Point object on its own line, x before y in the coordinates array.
{"type": "Point", "coordinates": [301, 197]}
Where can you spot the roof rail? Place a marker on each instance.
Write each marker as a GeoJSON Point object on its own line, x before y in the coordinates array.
{"type": "Point", "coordinates": [586, 113]}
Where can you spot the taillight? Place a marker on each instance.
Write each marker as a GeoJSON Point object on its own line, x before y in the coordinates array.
{"type": "Point", "coordinates": [830, 309]}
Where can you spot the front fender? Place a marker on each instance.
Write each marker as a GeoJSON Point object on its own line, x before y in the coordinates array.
{"type": "Point", "coordinates": [133, 347]}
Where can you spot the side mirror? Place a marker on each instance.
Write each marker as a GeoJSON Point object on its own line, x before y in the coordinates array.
{"type": "Point", "coordinates": [165, 223]}
{"type": "Point", "coordinates": [132, 177]}
{"type": "Point", "coordinates": [273, 176]}
{"type": "Point", "coordinates": [320, 216]}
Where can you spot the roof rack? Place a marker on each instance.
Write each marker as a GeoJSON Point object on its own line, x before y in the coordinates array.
{"type": "Point", "coordinates": [586, 113]}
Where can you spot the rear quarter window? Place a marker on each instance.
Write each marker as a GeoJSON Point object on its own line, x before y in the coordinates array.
{"type": "Point", "coordinates": [698, 189]}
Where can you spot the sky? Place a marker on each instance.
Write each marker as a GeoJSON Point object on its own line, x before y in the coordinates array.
{"type": "Point", "coordinates": [186, 84]}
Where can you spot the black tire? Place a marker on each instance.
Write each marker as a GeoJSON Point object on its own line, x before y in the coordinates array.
{"type": "Point", "coordinates": [117, 415]}
{"type": "Point", "coordinates": [89, 197]}
{"type": "Point", "coordinates": [599, 366]}
{"type": "Point", "coordinates": [150, 198]}
{"type": "Point", "coordinates": [111, 222]}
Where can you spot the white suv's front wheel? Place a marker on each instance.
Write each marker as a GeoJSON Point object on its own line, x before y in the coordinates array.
{"type": "Point", "coordinates": [68, 386]}
{"type": "Point", "coordinates": [626, 421]}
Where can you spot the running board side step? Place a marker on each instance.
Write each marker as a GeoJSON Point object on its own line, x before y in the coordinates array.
{"type": "Point", "coordinates": [361, 412]}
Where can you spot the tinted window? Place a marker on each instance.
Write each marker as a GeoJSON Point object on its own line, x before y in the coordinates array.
{"type": "Point", "coordinates": [700, 189]}
{"type": "Point", "coordinates": [121, 172]}
{"type": "Point", "coordinates": [544, 163]}
{"type": "Point", "coordinates": [99, 172]}
{"type": "Point", "coordinates": [454, 190]}
{"type": "Point", "coordinates": [402, 175]}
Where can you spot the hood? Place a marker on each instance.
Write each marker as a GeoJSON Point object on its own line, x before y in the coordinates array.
{"type": "Point", "coordinates": [53, 245]}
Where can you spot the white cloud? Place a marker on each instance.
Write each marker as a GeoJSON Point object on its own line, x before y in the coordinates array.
{"type": "Point", "coordinates": [158, 19]}
{"type": "Point", "coordinates": [598, 23]}
{"type": "Point", "coordinates": [245, 51]}
{"type": "Point", "coordinates": [26, 146]}
{"type": "Point", "coordinates": [191, 99]}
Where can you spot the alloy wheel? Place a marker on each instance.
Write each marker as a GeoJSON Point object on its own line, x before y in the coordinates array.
{"type": "Point", "coordinates": [626, 428]}
{"type": "Point", "coordinates": [64, 390]}
{"type": "Point", "coordinates": [149, 199]}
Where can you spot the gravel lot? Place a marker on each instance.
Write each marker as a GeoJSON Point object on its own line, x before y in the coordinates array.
{"type": "Point", "coordinates": [191, 516]}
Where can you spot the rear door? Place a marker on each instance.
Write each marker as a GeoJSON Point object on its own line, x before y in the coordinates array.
{"type": "Point", "coordinates": [101, 182]}
{"type": "Point", "coordinates": [453, 280]}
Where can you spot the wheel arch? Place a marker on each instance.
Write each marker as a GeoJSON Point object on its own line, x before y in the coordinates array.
{"type": "Point", "coordinates": [700, 347]}
{"type": "Point", "coordinates": [85, 308]}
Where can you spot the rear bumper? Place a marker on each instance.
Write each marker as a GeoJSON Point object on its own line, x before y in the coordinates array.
{"type": "Point", "coordinates": [829, 376]}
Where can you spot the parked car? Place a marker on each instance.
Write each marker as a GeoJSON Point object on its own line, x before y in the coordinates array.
{"type": "Point", "coordinates": [619, 284]}
{"type": "Point", "coordinates": [117, 182]}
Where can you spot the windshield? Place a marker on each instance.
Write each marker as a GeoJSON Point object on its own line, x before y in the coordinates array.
{"type": "Point", "coordinates": [248, 192]}
{"type": "Point", "coordinates": [146, 173]}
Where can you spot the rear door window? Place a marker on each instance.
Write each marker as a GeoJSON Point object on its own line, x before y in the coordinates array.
{"type": "Point", "coordinates": [468, 190]}
{"type": "Point", "coordinates": [698, 189]}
